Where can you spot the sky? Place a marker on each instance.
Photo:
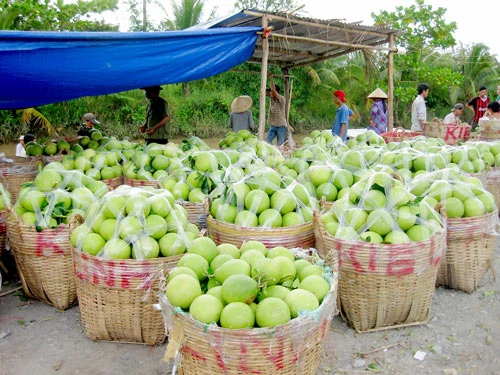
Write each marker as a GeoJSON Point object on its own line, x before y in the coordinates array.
{"type": "Point", "coordinates": [475, 24]}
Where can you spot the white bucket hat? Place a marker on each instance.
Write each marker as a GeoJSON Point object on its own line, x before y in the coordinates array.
{"type": "Point", "coordinates": [241, 104]}
{"type": "Point", "coordinates": [377, 94]}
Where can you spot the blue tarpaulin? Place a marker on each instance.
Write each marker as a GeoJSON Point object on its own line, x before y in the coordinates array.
{"type": "Point", "coordinates": [38, 68]}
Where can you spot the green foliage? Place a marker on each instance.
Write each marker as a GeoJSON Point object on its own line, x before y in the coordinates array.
{"type": "Point", "coordinates": [269, 5]}
{"type": "Point", "coordinates": [185, 15]}
{"type": "Point", "coordinates": [55, 16]}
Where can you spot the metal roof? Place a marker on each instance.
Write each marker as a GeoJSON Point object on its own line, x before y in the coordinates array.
{"type": "Point", "coordinates": [297, 41]}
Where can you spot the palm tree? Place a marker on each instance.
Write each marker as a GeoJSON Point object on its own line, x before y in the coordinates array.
{"type": "Point", "coordinates": [186, 14]}
{"type": "Point", "coordinates": [478, 67]}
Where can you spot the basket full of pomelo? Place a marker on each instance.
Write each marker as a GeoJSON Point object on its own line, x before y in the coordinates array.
{"type": "Point", "coordinates": [471, 218]}
{"type": "Point", "coordinates": [248, 310]}
{"type": "Point", "coordinates": [389, 245]}
{"type": "Point", "coordinates": [117, 253]}
{"type": "Point", "coordinates": [38, 231]}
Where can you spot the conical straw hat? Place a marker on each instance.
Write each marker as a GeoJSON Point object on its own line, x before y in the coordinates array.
{"type": "Point", "coordinates": [377, 94]}
{"type": "Point", "coordinates": [241, 104]}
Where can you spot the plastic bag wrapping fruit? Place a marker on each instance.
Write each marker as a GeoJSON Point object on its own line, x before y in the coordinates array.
{"type": "Point", "coordinates": [135, 223]}
{"type": "Point", "coordinates": [282, 331]}
{"type": "Point", "coordinates": [460, 194]}
{"type": "Point", "coordinates": [56, 193]}
{"type": "Point", "coordinates": [379, 209]}
{"type": "Point", "coordinates": [263, 198]}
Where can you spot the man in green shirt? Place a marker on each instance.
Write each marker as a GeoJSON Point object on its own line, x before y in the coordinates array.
{"type": "Point", "coordinates": [156, 127]}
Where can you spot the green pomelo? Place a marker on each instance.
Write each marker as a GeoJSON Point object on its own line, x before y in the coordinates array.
{"type": "Point", "coordinates": [237, 315]}
{"type": "Point", "coordinates": [231, 267]}
{"type": "Point", "coordinates": [203, 246]}
{"type": "Point", "coordinates": [182, 290]}
{"type": "Point", "coordinates": [239, 288]}
{"type": "Point", "coordinates": [206, 309]}
{"type": "Point", "coordinates": [272, 312]}
{"type": "Point", "coordinates": [197, 263]}
{"type": "Point", "coordinates": [172, 244]}
{"type": "Point", "coordinates": [301, 300]}
{"type": "Point", "coordinates": [316, 285]}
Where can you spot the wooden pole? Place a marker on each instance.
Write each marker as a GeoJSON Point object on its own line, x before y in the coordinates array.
{"type": "Point", "coordinates": [286, 88]}
{"type": "Point", "coordinates": [390, 85]}
{"type": "Point", "coordinates": [263, 82]}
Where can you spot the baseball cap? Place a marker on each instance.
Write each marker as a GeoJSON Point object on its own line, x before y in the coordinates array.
{"type": "Point", "coordinates": [90, 117]}
{"type": "Point", "coordinates": [340, 94]}
{"type": "Point", "coordinates": [458, 106]}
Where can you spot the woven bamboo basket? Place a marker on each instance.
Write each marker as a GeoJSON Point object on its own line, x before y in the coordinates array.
{"type": "Point", "coordinates": [43, 261]}
{"type": "Point", "coordinates": [197, 212]}
{"type": "Point", "coordinates": [113, 183]}
{"type": "Point", "coordinates": [116, 297]}
{"type": "Point", "coordinates": [384, 286]}
{"type": "Point", "coordinates": [3, 232]}
{"type": "Point", "coordinates": [489, 130]}
{"type": "Point", "coordinates": [139, 183]}
{"type": "Point", "coordinates": [450, 133]}
{"type": "Point", "coordinates": [301, 236]}
{"type": "Point", "coordinates": [469, 253]}
{"type": "Point", "coordinates": [398, 135]}
{"type": "Point", "coordinates": [292, 348]}
{"type": "Point", "coordinates": [14, 174]}
{"type": "Point", "coordinates": [493, 184]}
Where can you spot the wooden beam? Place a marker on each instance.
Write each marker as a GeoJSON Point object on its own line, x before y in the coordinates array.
{"type": "Point", "coordinates": [263, 82]}
{"type": "Point", "coordinates": [390, 86]}
{"type": "Point", "coordinates": [331, 43]}
{"type": "Point", "coordinates": [341, 25]}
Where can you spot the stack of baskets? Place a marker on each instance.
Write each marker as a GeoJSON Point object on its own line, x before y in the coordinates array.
{"type": "Point", "coordinates": [380, 285]}
{"type": "Point", "coordinates": [43, 262]}
{"type": "Point", "coordinates": [398, 135]}
{"type": "Point", "coordinates": [450, 133]}
{"type": "Point", "coordinates": [469, 253]}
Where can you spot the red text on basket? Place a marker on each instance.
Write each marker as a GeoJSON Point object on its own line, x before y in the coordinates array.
{"type": "Point", "coordinates": [397, 262]}
{"type": "Point", "coordinates": [457, 132]}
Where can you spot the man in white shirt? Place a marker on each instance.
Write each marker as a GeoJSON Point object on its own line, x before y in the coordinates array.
{"type": "Point", "coordinates": [418, 109]}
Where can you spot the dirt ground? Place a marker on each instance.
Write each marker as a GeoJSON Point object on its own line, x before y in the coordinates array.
{"type": "Point", "coordinates": [461, 337]}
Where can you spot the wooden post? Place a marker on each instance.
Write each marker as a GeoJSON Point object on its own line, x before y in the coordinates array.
{"type": "Point", "coordinates": [263, 81]}
{"type": "Point", "coordinates": [390, 85]}
{"type": "Point", "coordinates": [286, 91]}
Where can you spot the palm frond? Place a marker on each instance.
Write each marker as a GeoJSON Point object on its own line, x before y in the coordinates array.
{"type": "Point", "coordinates": [31, 117]}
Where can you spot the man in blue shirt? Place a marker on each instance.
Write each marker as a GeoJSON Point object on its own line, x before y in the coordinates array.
{"type": "Point", "coordinates": [341, 122]}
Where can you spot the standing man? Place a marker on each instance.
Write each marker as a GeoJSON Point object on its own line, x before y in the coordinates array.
{"type": "Point", "coordinates": [277, 114]}
{"type": "Point", "coordinates": [344, 113]}
{"type": "Point", "coordinates": [478, 105]}
{"type": "Point", "coordinates": [418, 109]}
{"type": "Point", "coordinates": [156, 127]}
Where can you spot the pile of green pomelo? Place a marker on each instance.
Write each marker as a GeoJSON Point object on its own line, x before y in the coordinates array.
{"type": "Point", "coordinates": [363, 190]}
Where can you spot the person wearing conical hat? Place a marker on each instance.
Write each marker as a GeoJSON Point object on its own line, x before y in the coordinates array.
{"type": "Point", "coordinates": [378, 114]}
{"type": "Point", "coordinates": [241, 118]}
